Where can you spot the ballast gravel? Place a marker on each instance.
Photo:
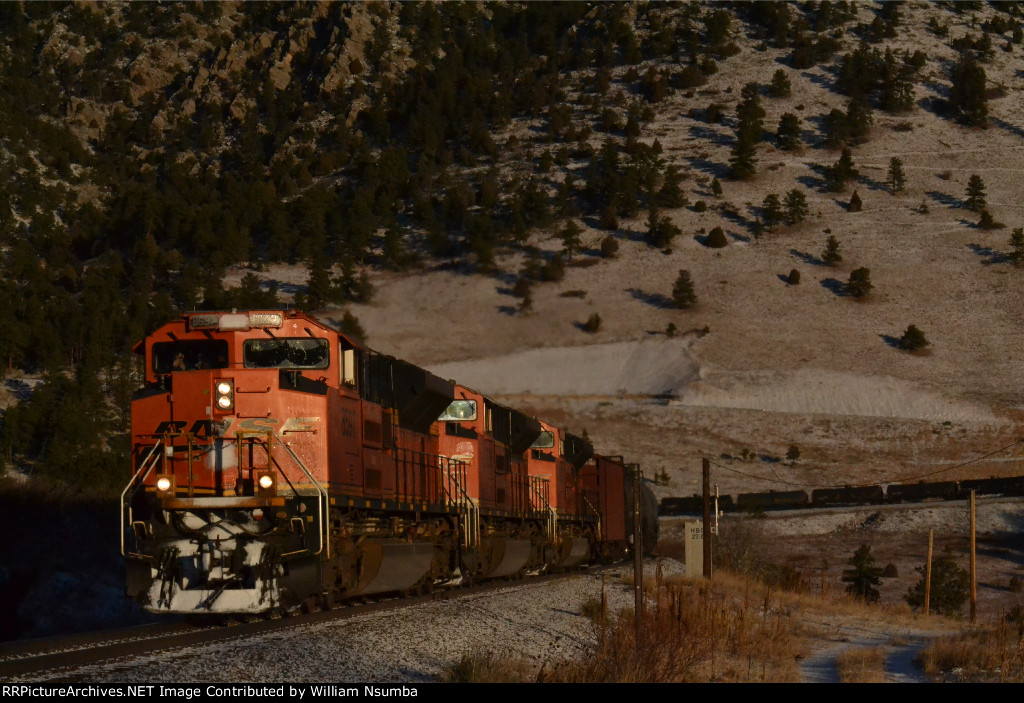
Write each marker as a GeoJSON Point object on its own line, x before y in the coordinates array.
{"type": "Point", "coordinates": [536, 623]}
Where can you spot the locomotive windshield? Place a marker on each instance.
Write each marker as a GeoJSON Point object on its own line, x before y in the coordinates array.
{"type": "Point", "coordinates": [459, 410]}
{"type": "Point", "coordinates": [286, 353]}
{"type": "Point", "coordinates": [189, 355]}
{"type": "Point", "coordinates": [545, 441]}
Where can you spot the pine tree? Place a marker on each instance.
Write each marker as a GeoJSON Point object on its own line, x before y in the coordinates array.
{"type": "Point", "coordinates": [897, 88]}
{"type": "Point", "coordinates": [967, 98]}
{"type": "Point", "coordinates": [834, 128]}
{"type": "Point", "coordinates": [660, 230]}
{"type": "Point", "coordinates": [571, 239]}
{"type": "Point", "coordinates": [858, 119]}
{"type": "Point", "coordinates": [683, 294]}
{"type": "Point", "coordinates": [716, 188]}
{"type": "Point", "coordinates": [671, 193]}
{"type": "Point", "coordinates": [780, 86]}
{"type": "Point", "coordinates": [749, 132]}
{"type": "Point", "coordinates": [864, 576]}
{"type": "Point", "coordinates": [788, 133]}
{"type": "Point", "coordinates": [831, 255]}
{"type": "Point", "coordinates": [842, 171]}
{"type": "Point", "coordinates": [1017, 246]}
{"type": "Point", "coordinates": [897, 179]}
{"type": "Point", "coordinates": [796, 206]}
{"type": "Point", "coordinates": [975, 193]}
{"type": "Point", "coordinates": [855, 203]}
{"type": "Point", "coordinates": [772, 207]}
{"type": "Point", "coordinates": [859, 284]}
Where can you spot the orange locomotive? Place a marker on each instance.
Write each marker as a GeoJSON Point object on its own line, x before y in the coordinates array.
{"type": "Point", "coordinates": [278, 463]}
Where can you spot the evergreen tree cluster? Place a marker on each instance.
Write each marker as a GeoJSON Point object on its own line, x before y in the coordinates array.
{"type": "Point", "coordinates": [128, 185]}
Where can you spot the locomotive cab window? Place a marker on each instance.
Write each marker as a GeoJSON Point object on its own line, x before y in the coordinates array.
{"type": "Point", "coordinates": [286, 353]}
{"type": "Point", "coordinates": [190, 355]}
{"type": "Point", "coordinates": [459, 410]}
{"type": "Point", "coordinates": [545, 441]}
{"type": "Point", "coordinates": [348, 366]}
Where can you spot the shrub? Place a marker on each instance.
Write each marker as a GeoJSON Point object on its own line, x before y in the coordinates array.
{"type": "Point", "coordinates": [859, 284]}
{"type": "Point", "coordinates": [593, 609]}
{"type": "Point", "coordinates": [593, 323]}
{"type": "Point", "coordinates": [609, 218]}
{"type": "Point", "coordinates": [700, 206]}
{"type": "Point", "coordinates": [913, 339]}
{"type": "Point", "coordinates": [890, 571]}
{"type": "Point", "coordinates": [793, 453]}
{"type": "Point", "coordinates": [609, 247]}
{"type": "Point", "coordinates": [988, 222]}
{"type": "Point", "coordinates": [716, 188]}
{"type": "Point", "coordinates": [553, 269]}
{"type": "Point", "coordinates": [951, 585]}
{"type": "Point", "coordinates": [522, 287]}
{"type": "Point", "coordinates": [671, 330]}
{"type": "Point", "coordinates": [716, 239]}
{"type": "Point", "coordinates": [661, 231]}
{"type": "Point", "coordinates": [831, 255]}
{"type": "Point", "coordinates": [793, 278]}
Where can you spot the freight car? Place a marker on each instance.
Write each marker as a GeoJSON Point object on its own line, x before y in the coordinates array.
{"type": "Point", "coordinates": [851, 495]}
{"type": "Point", "coordinates": [917, 492]}
{"type": "Point", "coordinates": [276, 463]}
{"type": "Point", "coordinates": [772, 500]}
{"type": "Point", "coordinates": [693, 505]}
{"type": "Point", "coordinates": [1007, 486]}
{"type": "Point", "coordinates": [847, 495]}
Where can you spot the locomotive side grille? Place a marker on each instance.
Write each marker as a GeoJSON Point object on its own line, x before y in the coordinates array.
{"type": "Point", "coordinates": [373, 478]}
{"type": "Point", "coordinates": [373, 433]}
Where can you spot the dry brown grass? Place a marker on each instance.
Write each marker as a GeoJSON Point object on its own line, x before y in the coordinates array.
{"type": "Point", "coordinates": [993, 653]}
{"type": "Point", "coordinates": [734, 629]}
{"type": "Point", "coordinates": [488, 668]}
{"type": "Point", "coordinates": [862, 665]}
{"type": "Point", "coordinates": [728, 630]}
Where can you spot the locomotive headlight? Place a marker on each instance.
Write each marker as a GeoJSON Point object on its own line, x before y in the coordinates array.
{"type": "Point", "coordinates": [225, 391]}
{"type": "Point", "coordinates": [165, 486]}
{"type": "Point", "coordinates": [266, 483]}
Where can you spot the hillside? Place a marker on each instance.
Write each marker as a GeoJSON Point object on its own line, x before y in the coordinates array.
{"type": "Point", "coordinates": [403, 167]}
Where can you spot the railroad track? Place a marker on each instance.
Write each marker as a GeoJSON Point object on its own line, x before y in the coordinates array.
{"type": "Point", "coordinates": [64, 655]}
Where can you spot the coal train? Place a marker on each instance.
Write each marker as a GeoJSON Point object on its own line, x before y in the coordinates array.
{"type": "Point", "coordinates": [850, 495]}
{"type": "Point", "coordinates": [278, 463]}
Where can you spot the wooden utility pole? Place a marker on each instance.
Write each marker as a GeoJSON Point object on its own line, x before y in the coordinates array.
{"type": "Point", "coordinates": [638, 560]}
{"type": "Point", "coordinates": [974, 563]}
{"type": "Point", "coordinates": [707, 518]}
{"type": "Point", "coordinates": [928, 573]}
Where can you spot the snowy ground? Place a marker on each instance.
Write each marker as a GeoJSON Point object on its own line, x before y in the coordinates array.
{"type": "Point", "coordinates": [538, 623]}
